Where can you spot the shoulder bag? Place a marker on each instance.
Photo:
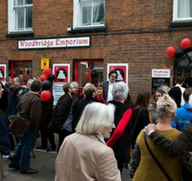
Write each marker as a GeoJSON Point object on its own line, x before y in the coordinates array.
{"type": "Point", "coordinates": [19, 126]}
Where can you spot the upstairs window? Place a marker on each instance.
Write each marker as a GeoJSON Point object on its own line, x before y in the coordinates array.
{"type": "Point", "coordinates": [182, 11]}
{"type": "Point", "coordinates": [89, 13]}
{"type": "Point", "coordinates": [20, 15]}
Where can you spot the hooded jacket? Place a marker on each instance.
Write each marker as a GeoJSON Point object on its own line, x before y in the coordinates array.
{"type": "Point", "coordinates": [182, 118]}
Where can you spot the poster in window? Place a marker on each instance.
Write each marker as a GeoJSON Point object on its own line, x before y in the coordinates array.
{"type": "Point", "coordinates": [2, 72]}
{"type": "Point", "coordinates": [121, 69]}
{"type": "Point", "coordinates": [62, 76]}
{"type": "Point", "coordinates": [61, 72]}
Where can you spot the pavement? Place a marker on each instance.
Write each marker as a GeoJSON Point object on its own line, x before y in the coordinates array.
{"type": "Point", "coordinates": [44, 163]}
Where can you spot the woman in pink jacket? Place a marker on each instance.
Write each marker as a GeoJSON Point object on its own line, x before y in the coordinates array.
{"type": "Point", "coordinates": [84, 155]}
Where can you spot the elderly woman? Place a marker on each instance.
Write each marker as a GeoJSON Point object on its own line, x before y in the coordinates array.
{"type": "Point", "coordinates": [120, 139]}
{"type": "Point", "coordinates": [83, 155]}
{"type": "Point", "coordinates": [148, 169]}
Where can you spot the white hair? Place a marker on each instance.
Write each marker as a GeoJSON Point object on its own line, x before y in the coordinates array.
{"type": "Point", "coordinates": [30, 81]}
{"type": "Point", "coordinates": [75, 84]}
{"type": "Point", "coordinates": [120, 91]}
{"type": "Point", "coordinates": [95, 117]}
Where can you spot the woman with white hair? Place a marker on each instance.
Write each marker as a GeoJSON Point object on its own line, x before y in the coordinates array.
{"type": "Point", "coordinates": [84, 155]}
{"type": "Point", "coordinates": [148, 169]}
{"type": "Point", "coordinates": [120, 139]}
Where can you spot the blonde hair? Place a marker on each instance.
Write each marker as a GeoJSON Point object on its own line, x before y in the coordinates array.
{"type": "Point", "coordinates": [165, 88]}
{"type": "Point", "coordinates": [166, 106]}
{"type": "Point", "coordinates": [95, 117]}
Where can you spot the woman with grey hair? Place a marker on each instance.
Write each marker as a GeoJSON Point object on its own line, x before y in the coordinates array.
{"type": "Point", "coordinates": [84, 155]}
{"type": "Point", "coordinates": [120, 139]}
{"type": "Point", "coordinates": [148, 169]}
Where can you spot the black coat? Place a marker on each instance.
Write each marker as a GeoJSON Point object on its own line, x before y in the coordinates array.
{"type": "Point", "coordinates": [122, 145]}
{"type": "Point", "coordinates": [79, 109]}
{"type": "Point", "coordinates": [61, 112]}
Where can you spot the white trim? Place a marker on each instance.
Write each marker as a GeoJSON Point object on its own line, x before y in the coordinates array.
{"type": "Point", "coordinates": [175, 14]}
{"type": "Point", "coordinates": [76, 16]}
{"type": "Point", "coordinates": [11, 18]}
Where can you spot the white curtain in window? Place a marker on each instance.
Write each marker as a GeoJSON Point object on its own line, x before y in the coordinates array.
{"type": "Point", "coordinates": [18, 2]}
{"type": "Point", "coordinates": [85, 12]}
{"type": "Point", "coordinates": [19, 18]}
{"type": "Point", "coordinates": [91, 12]}
{"type": "Point", "coordinates": [184, 8]}
{"type": "Point", "coordinates": [98, 11]}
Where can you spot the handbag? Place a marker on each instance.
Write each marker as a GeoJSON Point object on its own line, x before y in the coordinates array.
{"type": "Point", "coordinates": [156, 160]}
{"type": "Point", "coordinates": [19, 126]}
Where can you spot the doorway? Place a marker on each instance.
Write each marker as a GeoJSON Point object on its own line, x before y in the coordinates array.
{"type": "Point", "coordinates": [183, 65]}
{"type": "Point", "coordinates": [22, 69]}
{"type": "Point", "coordinates": [88, 71]}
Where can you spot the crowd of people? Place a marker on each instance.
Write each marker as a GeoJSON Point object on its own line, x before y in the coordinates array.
{"type": "Point", "coordinates": [101, 131]}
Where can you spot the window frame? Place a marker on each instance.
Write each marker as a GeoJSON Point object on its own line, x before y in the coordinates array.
{"type": "Point", "coordinates": [76, 16]}
{"type": "Point", "coordinates": [11, 18]}
{"type": "Point", "coordinates": [175, 18]}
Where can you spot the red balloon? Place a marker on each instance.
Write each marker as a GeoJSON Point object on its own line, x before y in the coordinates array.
{"type": "Point", "coordinates": [47, 71]}
{"type": "Point", "coordinates": [43, 78]}
{"type": "Point", "coordinates": [171, 51]}
{"type": "Point", "coordinates": [45, 95]}
{"type": "Point", "coordinates": [185, 43]}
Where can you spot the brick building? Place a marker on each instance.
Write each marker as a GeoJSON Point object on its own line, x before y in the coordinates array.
{"type": "Point", "coordinates": [129, 32]}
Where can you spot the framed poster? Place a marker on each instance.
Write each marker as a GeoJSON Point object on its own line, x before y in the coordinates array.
{"type": "Point", "coordinates": [62, 75]}
{"type": "Point", "coordinates": [160, 77]}
{"type": "Point", "coordinates": [2, 73]}
{"type": "Point", "coordinates": [61, 72]}
{"type": "Point", "coordinates": [121, 69]}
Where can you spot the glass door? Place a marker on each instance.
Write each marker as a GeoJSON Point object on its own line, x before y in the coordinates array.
{"type": "Point", "coordinates": [88, 71]}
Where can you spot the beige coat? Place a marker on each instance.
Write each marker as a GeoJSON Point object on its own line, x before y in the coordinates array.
{"type": "Point", "coordinates": [85, 158]}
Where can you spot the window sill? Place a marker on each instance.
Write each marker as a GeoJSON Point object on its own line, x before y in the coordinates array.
{"type": "Point", "coordinates": [88, 30]}
{"type": "Point", "coordinates": [179, 24]}
{"type": "Point", "coordinates": [19, 34]}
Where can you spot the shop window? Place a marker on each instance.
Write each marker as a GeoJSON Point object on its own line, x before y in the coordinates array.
{"type": "Point", "coordinates": [22, 69]}
{"type": "Point", "coordinates": [88, 13]}
{"type": "Point", "coordinates": [20, 15]}
{"type": "Point", "coordinates": [182, 11]}
{"type": "Point", "coordinates": [88, 71]}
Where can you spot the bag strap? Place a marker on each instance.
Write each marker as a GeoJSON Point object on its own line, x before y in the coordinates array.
{"type": "Point", "coordinates": [156, 160]}
{"type": "Point", "coordinates": [136, 121]}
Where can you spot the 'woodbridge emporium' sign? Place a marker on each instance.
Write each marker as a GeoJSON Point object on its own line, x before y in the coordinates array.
{"type": "Point", "coordinates": [54, 43]}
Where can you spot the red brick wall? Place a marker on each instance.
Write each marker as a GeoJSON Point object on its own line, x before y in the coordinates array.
{"type": "Point", "coordinates": [138, 33]}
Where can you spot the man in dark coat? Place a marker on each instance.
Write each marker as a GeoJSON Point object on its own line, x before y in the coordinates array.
{"type": "Point", "coordinates": [90, 93]}
{"type": "Point", "coordinates": [29, 108]}
{"type": "Point", "coordinates": [63, 113]}
{"type": "Point", "coordinates": [109, 85]}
